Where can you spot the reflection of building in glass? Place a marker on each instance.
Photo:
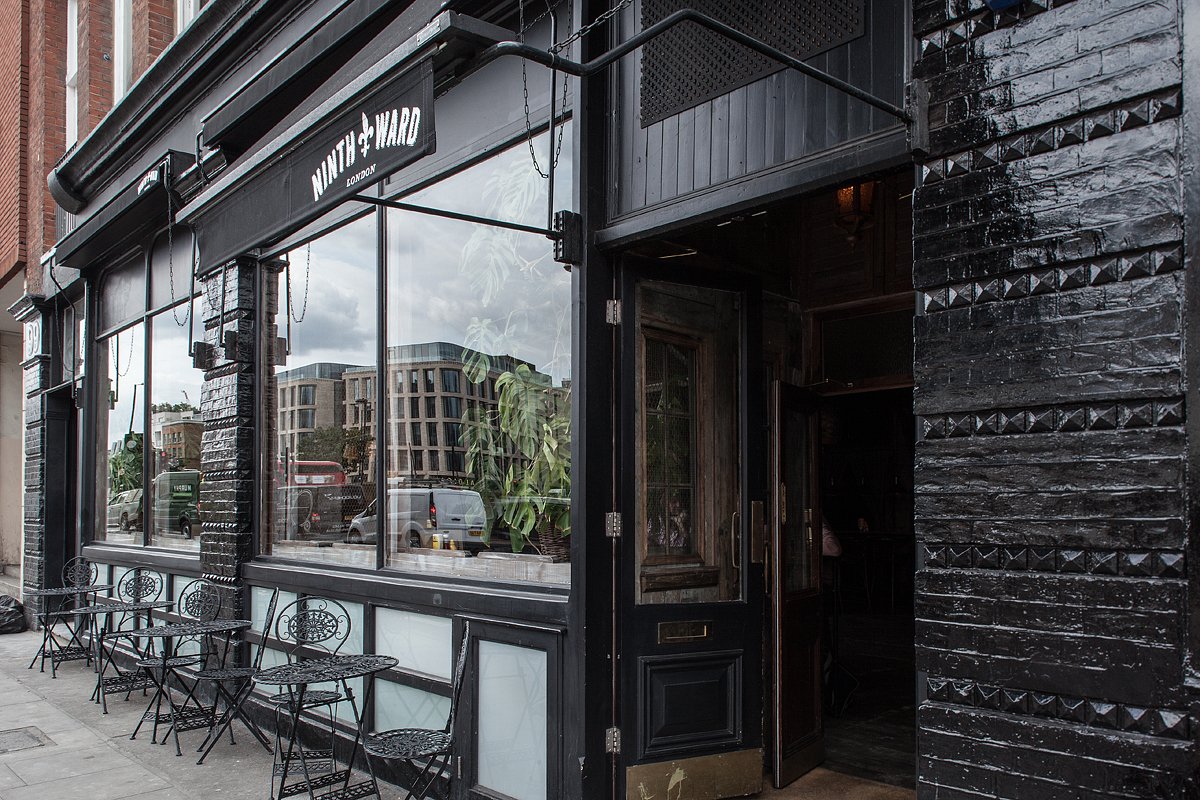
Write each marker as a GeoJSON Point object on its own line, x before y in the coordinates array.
{"type": "Point", "coordinates": [180, 445]}
{"type": "Point", "coordinates": [310, 397]}
{"type": "Point", "coordinates": [161, 416]}
{"type": "Point", "coordinates": [427, 396]}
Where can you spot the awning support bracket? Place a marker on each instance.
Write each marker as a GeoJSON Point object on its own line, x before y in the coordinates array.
{"type": "Point", "coordinates": [441, 212]}
{"type": "Point", "coordinates": [586, 69]}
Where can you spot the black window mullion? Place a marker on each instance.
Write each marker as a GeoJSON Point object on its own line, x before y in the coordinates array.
{"type": "Point", "coordinates": [382, 412]}
{"type": "Point", "coordinates": [147, 486]}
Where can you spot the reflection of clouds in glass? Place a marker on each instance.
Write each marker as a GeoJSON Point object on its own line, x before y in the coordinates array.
{"type": "Point", "coordinates": [450, 281]}
{"type": "Point", "coordinates": [339, 273]}
{"type": "Point", "coordinates": [126, 373]}
{"type": "Point", "coordinates": [171, 372]}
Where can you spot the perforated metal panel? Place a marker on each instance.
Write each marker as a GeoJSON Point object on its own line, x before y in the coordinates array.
{"type": "Point", "coordinates": [689, 64]}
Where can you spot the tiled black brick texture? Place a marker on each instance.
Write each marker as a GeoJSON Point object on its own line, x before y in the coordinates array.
{"type": "Point", "coordinates": [227, 405]}
{"type": "Point", "coordinates": [1051, 460]}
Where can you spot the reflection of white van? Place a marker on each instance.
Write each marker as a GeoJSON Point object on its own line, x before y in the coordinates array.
{"type": "Point", "coordinates": [415, 516]}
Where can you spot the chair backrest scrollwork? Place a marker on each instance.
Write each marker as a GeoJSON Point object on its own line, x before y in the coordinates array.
{"type": "Point", "coordinates": [79, 572]}
{"type": "Point", "coordinates": [313, 622]}
{"type": "Point", "coordinates": [200, 600]}
{"type": "Point", "coordinates": [139, 586]}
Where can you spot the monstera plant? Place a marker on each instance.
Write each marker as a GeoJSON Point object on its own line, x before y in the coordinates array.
{"type": "Point", "coordinates": [520, 455]}
{"type": "Point", "coordinates": [518, 451]}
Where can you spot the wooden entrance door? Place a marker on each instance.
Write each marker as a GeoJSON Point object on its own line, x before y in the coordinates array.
{"type": "Point", "coordinates": [796, 590]}
{"type": "Point", "coordinates": [689, 611]}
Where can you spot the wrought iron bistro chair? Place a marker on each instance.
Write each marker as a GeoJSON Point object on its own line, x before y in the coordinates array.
{"type": "Point", "coordinates": [309, 626]}
{"type": "Point", "coordinates": [199, 601]}
{"type": "Point", "coordinates": [136, 586]}
{"type": "Point", "coordinates": [57, 604]}
{"type": "Point", "coordinates": [232, 685]}
{"type": "Point", "coordinates": [424, 754]}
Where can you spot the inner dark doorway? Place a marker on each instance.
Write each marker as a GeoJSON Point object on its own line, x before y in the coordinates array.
{"type": "Point", "coordinates": [865, 458]}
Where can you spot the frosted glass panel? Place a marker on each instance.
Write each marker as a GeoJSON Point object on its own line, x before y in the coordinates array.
{"type": "Point", "coordinates": [259, 598]}
{"type": "Point", "coordinates": [343, 710]}
{"type": "Point", "coordinates": [354, 642]}
{"type": "Point", "coordinates": [400, 706]}
{"type": "Point", "coordinates": [512, 720]}
{"type": "Point", "coordinates": [420, 643]}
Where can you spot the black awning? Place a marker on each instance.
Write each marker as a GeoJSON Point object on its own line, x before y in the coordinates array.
{"type": "Point", "coordinates": [389, 127]}
{"type": "Point", "coordinates": [140, 209]}
{"type": "Point", "coordinates": [297, 72]}
{"type": "Point", "coordinates": [378, 123]}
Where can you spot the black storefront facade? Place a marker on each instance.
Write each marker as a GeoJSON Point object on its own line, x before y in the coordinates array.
{"type": "Point", "coordinates": [657, 317]}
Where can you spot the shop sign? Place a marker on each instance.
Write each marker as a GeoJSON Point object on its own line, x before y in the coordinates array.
{"type": "Point", "coordinates": [388, 126]}
{"type": "Point", "coordinates": [387, 131]}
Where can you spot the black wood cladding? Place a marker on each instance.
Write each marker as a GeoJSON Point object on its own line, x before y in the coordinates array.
{"type": "Point", "coordinates": [1051, 462]}
{"type": "Point", "coordinates": [771, 122]}
{"type": "Point", "coordinates": [690, 64]}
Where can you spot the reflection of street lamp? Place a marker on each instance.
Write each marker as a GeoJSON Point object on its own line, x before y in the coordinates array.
{"type": "Point", "coordinates": [364, 440]}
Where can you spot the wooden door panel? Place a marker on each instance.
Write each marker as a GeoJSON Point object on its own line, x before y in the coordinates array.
{"type": "Point", "coordinates": [692, 702]}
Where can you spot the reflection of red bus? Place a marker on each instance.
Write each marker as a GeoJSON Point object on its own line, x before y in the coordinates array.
{"type": "Point", "coordinates": [316, 473]}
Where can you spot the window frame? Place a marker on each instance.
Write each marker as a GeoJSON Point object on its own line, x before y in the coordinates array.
{"type": "Point", "coordinates": [142, 258]}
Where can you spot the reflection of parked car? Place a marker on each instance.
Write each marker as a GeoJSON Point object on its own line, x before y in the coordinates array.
{"type": "Point", "coordinates": [125, 510]}
{"type": "Point", "coordinates": [415, 516]}
{"type": "Point", "coordinates": [176, 502]}
{"type": "Point", "coordinates": [319, 512]}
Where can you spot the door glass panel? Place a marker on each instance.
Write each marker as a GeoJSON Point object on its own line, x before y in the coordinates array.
{"type": "Point", "coordinates": [688, 469]}
{"type": "Point", "coordinates": [799, 561]}
{"type": "Point", "coordinates": [668, 399]}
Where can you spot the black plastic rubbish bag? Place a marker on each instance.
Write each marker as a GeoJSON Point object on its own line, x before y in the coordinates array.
{"type": "Point", "coordinates": [12, 615]}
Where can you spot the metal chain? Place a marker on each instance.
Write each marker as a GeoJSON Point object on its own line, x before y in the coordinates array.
{"type": "Point", "coordinates": [307, 284]}
{"type": "Point", "coordinates": [584, 30]}
{"type": "Point", "coordinates": [525, 87]}
{"type": "Point", "coordinates": [117, 353]}
{"type": "Point", "coordinates": [187, 317]}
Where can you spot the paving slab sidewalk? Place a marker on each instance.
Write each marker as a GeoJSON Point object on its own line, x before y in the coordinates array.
{"type": "Point", "coordinates": [77, 753]}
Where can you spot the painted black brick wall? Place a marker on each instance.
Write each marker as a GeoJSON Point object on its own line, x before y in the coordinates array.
{"type": "Point", "coordinates": [1051, 462]}
{"type": "Point", "coordinates": [35, 380]}
{"type": "Point", "coordinates": [227, 408]}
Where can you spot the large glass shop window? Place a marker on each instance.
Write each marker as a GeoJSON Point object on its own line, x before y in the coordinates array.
{"type": "Point", "coordinates": [482, 316]}
{"type": "Point", "coordinates": [120, 449]}
{"type": "Point", "coordinates": [319, 454]}
{"type": "Point", "coordinates": [149, 428]}
{"type": "Point", "coordinates": [476, 437]}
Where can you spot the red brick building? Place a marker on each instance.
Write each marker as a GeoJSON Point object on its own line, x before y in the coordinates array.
{"type": "Point", "coordinates": [68, 61]}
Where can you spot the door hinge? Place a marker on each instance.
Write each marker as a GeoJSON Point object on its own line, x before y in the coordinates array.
{"type": "Point", "coordinates": [612, 740]}
{"type": "Point", "coordinates": [612, 312]}
{"type": "Point", "coordinates": [612, 525]}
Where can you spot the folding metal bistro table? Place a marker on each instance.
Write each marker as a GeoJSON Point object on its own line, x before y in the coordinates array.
{"type": "Point", "coordinates": [296, 677]}
{"type": "Point", "coordinates": [191, 714]}
{"type": "Point", "coordinates": [122, 682]}
{"type": "Point", "coordinates": [74, 649]}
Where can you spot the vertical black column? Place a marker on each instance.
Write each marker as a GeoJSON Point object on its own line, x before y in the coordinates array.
{"type": "Point", "coordinates": [37, 572]}
{"type": "Point", "coordinates": [587, 689]}
{"type": "Point", "coordinates": [227, 405]}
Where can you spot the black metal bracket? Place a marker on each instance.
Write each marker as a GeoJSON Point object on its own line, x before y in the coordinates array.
{"type": "Point", "coordinates": [568, 246]}
{"type": "Point", "coordinates": [441, 212]}
{"type": "Point", "coordinates": [586, 69]}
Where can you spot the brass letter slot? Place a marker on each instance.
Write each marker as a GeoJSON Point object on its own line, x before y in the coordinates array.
{"type": "Point", "coordinates": [689, 631]}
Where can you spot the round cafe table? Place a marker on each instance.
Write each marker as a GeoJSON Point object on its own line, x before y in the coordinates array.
{"type": "Point", "coordinates": [296, 678]}
{"type": "Point", "coordinates": [122, 682]}
{"type": "Point", "coordinates": [74, 649]}
{"type": "Point", "coordinates": [191, 713]}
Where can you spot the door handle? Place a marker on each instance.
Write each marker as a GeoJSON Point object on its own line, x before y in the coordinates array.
{"type": "Point", "coordinates": [737, 539]}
